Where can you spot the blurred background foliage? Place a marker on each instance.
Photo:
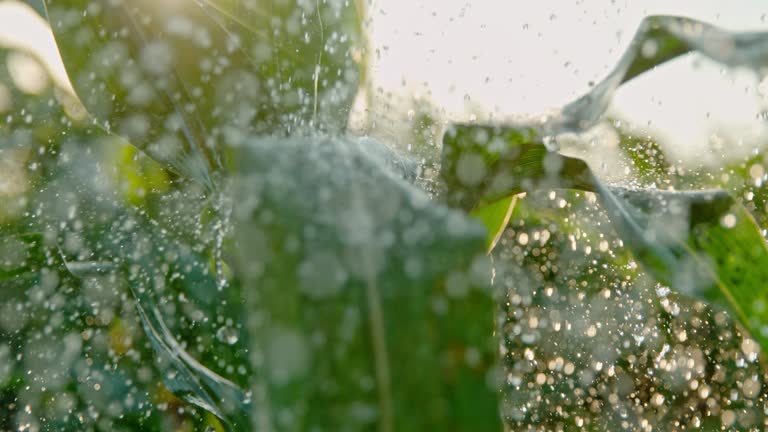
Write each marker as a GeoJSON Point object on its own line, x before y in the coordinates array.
{"type": "Point", "coordinates": [74, 355]}
{"type": "Point", "coordinates": [184, 81]}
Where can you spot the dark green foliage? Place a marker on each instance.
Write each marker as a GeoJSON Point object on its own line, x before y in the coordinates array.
{"type": "Point", "coordinates": [183, 79]}
{"type": "Point", "coordinates": [645, 155]}
{"type": "Point", "coordinates": [371, 307]}
{"type": "Point", "coordinates": [700, 243]}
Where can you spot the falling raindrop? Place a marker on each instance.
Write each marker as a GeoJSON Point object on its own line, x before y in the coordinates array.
{"type": "Point", "coordinates": [228, 335]}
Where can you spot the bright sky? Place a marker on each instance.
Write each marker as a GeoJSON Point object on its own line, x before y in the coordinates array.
{"type": "Point", "coordinates": [514, 58]}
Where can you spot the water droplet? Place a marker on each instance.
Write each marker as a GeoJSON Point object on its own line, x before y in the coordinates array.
{"type": "Point", "coordinates": [729, 220]}
{"type": "Point", "coordinates": [228, 335]}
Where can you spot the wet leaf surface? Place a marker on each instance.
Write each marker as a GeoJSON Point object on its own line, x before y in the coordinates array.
{"type": "Point", "coordinates": [181, 80]}
{"type": "Point", "coordinates": [370, 305]}
{"type": "Point", "coordinates": [699, 243]}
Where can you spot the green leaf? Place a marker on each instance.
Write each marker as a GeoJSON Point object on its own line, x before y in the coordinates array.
{"type": "Point", "coordinates": [22, 254]}
{"type": "Point", "coordinates": [715, 249]}
{"type": "Point", "coordinates": [182, 375]}
{"type": "Point", "coordinates": [141, 256]}
{"type": "Point", "coordinates": [495, 217]}
{"type": "Point", "coordinates": [190, 380]}
{"type": "Point", "coordinates": [369, 304]}
{"type": "Point", "coordinates": [645, 154]}
{"type": "Point", "coordinates": [148, 259]}
{"type": "Point", "coordinates": [483, 164]}
{"type": "Point", "coordinates": [72, 234]}
{"type": "Point", "coordinates": [180, 79]}
{"type": "Point", "coordinates": [700, 243]}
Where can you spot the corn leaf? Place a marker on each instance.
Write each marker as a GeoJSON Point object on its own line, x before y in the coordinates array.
{"type": "Point", "coordinates": [700, 243]}
{"type": "Point", "coordinates": [181, 79]}
{"type": "Point", "coordinates": [370, 305]}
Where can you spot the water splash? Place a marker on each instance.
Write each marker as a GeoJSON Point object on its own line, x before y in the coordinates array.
{"type": "Point", "coordinates": [221, 228]}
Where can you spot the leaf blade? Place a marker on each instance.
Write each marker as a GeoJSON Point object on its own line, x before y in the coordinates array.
{"type": "Point", "coordinates": [181, 79]}
{"type": "Point", "coordinates": [700, 243]}
{"type": "Point", "coordinates": [418, 306]}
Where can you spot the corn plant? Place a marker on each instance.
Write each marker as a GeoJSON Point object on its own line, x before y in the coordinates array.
{"type": "Point", "coordinates": [209, 247]}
